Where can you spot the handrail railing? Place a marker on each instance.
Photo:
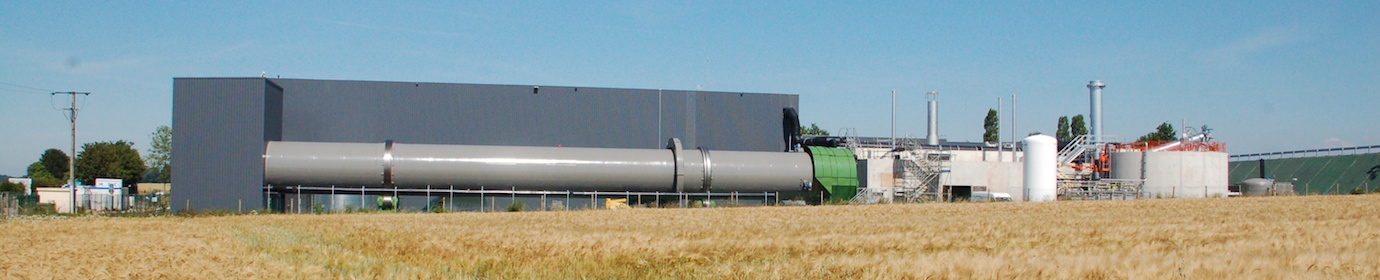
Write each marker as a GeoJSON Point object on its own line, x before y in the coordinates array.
{"type": "Point", "coordinates": [1357, 150]}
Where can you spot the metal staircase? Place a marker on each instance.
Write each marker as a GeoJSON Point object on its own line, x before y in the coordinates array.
{"type": "Point", "coordinates": [867, 196]}
{"type": "Point", "coordinates": [920, 175]}
{"type": "Point", "coordinates": [1074, 149]}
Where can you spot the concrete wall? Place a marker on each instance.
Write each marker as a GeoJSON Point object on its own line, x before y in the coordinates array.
{"type": "Point", "coordinates": [1175, 174]}
{"type": "Point", "coordinates": [996, 176]}
{"type": "Point", "coordinates": [966, 168]}
{"type": "Point", "coordinates": [878, 175]}
{"type": "Point", "coordinates": [61, 198]}
{"type": "Point", "coordinates": [220, 124]}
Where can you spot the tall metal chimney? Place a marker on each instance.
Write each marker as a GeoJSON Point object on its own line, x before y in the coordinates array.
{"type": "Point", "coordinates": [932, 138]}
{"type": "Point", "coordinates": [1095, 89]}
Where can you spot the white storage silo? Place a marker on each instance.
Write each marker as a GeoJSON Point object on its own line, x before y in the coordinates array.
{"type": "Point", "coordinates": [1173, 174]}
{"type": "Point", "coordinates": [1040, 164]}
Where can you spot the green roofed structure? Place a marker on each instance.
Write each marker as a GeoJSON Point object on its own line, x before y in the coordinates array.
{"type": "Point", "coordinates": [836, 171]}
{"type": "Point", "coordinates": [1315, 172]}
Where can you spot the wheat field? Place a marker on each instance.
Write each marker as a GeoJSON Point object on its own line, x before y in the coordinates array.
{"type": "Point", "coordinates": [1317, 237]}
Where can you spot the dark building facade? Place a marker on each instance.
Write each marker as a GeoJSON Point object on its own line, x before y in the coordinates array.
{"type": "Point", "coordinates": [221, 125]}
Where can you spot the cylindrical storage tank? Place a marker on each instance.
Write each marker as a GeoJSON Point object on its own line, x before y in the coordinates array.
{"type": "Point", "coordinates": [1257, 187]}
{"type": "Point", "coordinates": [324, 164]}
{"type": "Point", "coordinates": [1174, 174]}
{"type": "Point", "coordinates": [532, 168]}
{"type": "Point", "coordinates": [1040, 167]}
{"type": "Point", "coordinates": [1125, 165]}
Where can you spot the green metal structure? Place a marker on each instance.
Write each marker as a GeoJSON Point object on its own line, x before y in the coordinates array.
{"type": "Point", "coordinates": [836, 171]}
{"type": "Point", "coordinates": [1316, 175]}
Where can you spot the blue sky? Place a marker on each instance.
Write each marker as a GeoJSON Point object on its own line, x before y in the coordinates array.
{"type": "Point", "coordinates": [1266, 75]}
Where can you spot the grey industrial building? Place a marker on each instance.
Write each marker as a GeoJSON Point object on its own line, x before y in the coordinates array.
{"type": "Point", "coordinates": [222, 125]}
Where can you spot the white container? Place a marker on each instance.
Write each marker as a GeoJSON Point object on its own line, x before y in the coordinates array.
{"type": "Point", "coordinates": [1040, 163]}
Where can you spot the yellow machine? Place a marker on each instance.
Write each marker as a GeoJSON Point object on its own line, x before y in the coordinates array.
{"type": "Point", "coordinates": [615, 204]}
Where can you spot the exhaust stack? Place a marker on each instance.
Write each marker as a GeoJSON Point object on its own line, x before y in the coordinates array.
{"type": "Point", "coordinates": [932, 138]}
{"type": "Point", "coordinates": [1095, 90]}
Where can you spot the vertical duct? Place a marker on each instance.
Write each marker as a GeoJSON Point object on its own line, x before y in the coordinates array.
{"type": "Point", "coordinates": [790, 128]}
{"type": "Point", "coordinates": [932, 138]}
{"type": "Point", "coordinates": [893, 119]}
{"type": "Point", "coordinates": [1095, 90]}
{"type": "Point", "coordinates": [1262, 168]}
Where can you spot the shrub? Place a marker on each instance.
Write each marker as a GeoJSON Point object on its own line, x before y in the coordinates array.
{"type": "Point", "coordinates": [11, 187]}
{"type": "Point", "coordinates": [439, 208]}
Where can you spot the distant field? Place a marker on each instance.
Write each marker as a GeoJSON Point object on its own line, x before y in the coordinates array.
{"type": "Point", "coordinates": [1322, 237]}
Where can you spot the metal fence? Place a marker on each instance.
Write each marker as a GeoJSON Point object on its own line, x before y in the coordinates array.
{"type": "Point", "coordinates": [147, 204]}
{"type": "Point", "coordinates": [12, 204]}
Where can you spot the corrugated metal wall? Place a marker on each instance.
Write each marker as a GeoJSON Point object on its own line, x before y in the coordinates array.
{"type": "Point", "coordinates": [219, 129]}
{"type": "Point", "coordinates": [1317, 175]}
{"type": "Point", "coordinates": [219, 123]}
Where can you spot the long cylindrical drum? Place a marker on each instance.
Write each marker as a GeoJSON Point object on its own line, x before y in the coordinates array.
{"type": "Point", "coordinates": [533, 168]}
{"type": "Point", "coordinates": [324, 164]}
{"type": "Point", "coordinates": [759, 171]}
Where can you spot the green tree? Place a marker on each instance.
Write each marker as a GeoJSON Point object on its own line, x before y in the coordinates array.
{"type": "Point", "coordinates": [1078, 127]}
{"type": "Point", "coordinates": [117, 160]}
{"type": "Point", "coordinates": [55, 162]}
{"type": "Point", "coordinates": [159, 159]}
{"type": "Point", "coordinates": [1062, 134]}
{"type": "Point", "coordinates": [8, 187]}
{"type": "Point", "coordinates": [813, 130]}
{"type": "Point", "coordinates": [36, 170]}
{"type": "Point", "coordinates": [41, 176]}
{"type": "Point", "coordinates": [1164, 132]}
{"type": "Point", "coordinates": [991, 127]}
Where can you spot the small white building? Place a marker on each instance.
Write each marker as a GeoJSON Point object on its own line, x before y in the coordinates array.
{"type": "Point", "coordinates": [27, 182]}
{"type": "Point", "coordinates": [106, 195]}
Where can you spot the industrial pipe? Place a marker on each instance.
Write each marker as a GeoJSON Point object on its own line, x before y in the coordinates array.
{"type": "Point", "coordinates": [534, 168]}
{"type": "Point", "coordinates": [932, 132]}
{"type": "Point", "coordinates": [1095, 115]}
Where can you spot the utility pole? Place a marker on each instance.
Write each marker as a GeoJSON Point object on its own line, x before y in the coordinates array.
{"type": "Point", "coordinates": [72, 161]}
{"type": "Point", "coordinates": [893, 119]}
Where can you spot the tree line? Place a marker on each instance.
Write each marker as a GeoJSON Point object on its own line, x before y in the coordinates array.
{"type": "Point", "coordinates": [107, 159]}
{"type": "Point", "coordinates": [1070, 129]}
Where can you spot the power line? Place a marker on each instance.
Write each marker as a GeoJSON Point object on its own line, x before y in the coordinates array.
{"type": "Point", "coordinates": [27, 88]}
{"type": "Point", "coordinates": [72, 163]}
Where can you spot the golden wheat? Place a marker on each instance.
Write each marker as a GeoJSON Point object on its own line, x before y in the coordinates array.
{"type": "Point", "coordinates": [1325, 237]}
